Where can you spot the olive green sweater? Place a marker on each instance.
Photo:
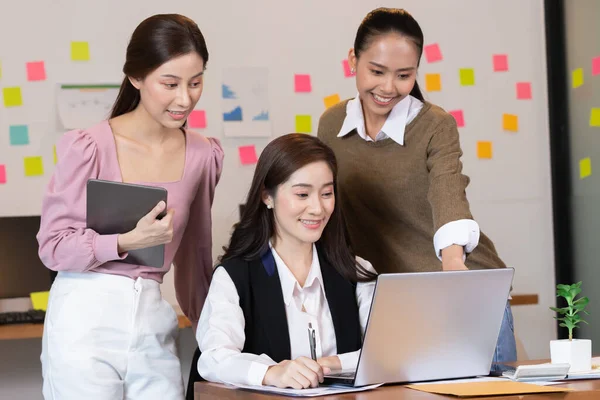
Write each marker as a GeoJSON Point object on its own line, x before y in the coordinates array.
{"type": "Point", "coordinates": [395, 197]}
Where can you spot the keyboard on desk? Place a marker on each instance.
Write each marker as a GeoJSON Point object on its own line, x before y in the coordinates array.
{"type": "Point", "coordinates": [22, 317]}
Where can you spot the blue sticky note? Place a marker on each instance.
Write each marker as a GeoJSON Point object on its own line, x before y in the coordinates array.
{"type": "Point", "coordinates": [19, 135]}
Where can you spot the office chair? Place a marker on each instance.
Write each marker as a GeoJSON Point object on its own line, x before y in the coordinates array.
{"type": "Point", "coordinates": [194, 376]}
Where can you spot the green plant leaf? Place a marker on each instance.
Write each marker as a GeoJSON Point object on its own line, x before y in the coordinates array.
{"type": "Point", "coordinates": [563, 287]}
{"type": "Point", "coordinates": [560, 310]}
{"type": "Point", "coordinates": [563, 325]}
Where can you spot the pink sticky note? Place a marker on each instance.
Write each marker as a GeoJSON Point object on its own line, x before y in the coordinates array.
{"type": "Point", "coordinates": [36, 71]}
{"type": "Point", "coordinates": [433, 53]}
{"type": "Point", "coordinates": [247, 154]}
{"type": "Point", "coordinates": [596, 66]}
{"type": "Point", "coordinates": [347, 70]}
{"type": "Point", "coordinates": [500, 62]}
{"type": "Point", "coordinates": [302, 83]}
{"type": "Point", "coordinates": [197, 119]}
{"type": "Point", "coordinates": [2, 173]}
{"type": "Point", "coordinates": [523, 90]}
{"type": "Point", "coordinates": [459, 117]}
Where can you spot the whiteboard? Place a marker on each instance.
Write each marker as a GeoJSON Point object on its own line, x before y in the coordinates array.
{"type": "Point", "coordinates": [308, 37]}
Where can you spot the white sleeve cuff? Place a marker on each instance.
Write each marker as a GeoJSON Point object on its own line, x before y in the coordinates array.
{"type": "Point", "coordinates": [463, 232]}
{"type": "Point", "coordinates": [258, 370]}
{"type": "Point", "coordinates": [349, 361]}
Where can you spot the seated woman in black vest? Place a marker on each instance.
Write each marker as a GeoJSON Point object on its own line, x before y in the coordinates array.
{"type": "Point", "coordinates": [289, 265]}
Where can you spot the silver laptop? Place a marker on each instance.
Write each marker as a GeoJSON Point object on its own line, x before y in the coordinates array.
{"type": "Point", "coordinates": [431, 326]}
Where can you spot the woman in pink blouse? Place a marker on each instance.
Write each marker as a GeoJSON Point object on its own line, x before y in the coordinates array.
{"type": "Point", "coordinates": [109, 334]}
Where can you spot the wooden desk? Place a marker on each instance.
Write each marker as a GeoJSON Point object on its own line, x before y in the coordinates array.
{"type": "Point", "coordinates": [32, 331]}
{"type": "Point", "coordinates": [583, 390]}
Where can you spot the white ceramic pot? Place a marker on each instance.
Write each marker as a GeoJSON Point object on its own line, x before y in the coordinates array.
{"type": "Point", "coordinates": [577, 352]}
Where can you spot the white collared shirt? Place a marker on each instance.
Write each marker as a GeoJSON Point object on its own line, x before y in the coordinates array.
{"type": "Point", "coordinates": [221, 337]}
{"type": "Point", "coordinates": [463, 232]}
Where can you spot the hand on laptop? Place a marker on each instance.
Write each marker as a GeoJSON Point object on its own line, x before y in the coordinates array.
{"type": "Point", "coordinates": [300, 373]}
{"type": "Point", "coordinates": [332, 362]}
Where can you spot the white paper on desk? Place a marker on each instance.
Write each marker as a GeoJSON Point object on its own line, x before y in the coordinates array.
{"type": "Point", "coordinates": [311, 392]}
{"type": "Point", "coordinates": [83, 106]}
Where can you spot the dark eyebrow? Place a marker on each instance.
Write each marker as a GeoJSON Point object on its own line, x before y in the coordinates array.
{"type": "Point", "coordinates": [306, 185]}
{"type": "Point", "coordinates": [398, 70]}
{"type": "Point", "coordinates": [177, 77]}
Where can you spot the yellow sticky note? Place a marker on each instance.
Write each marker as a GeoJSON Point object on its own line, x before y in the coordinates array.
{"type": "Point", "coordinates": [585, 167]}
{"type": "Point", "coordinates": [331, 100]}
{"type": "Point", "coordinates": [484, 150]}
{"type": "Point", "coordinates": [467, 76]}
{"type": "Point", "coordinates": [577, 77]}
{"type": "Point", "coordinates": [433, 82]}
{"type": "Point", "coordinates": [12, 96]}
{"type": "Point", "coordinates": [510, 122]}
{"type": "Point", "coordinates": [303, 123]}
{"type": "Point", "coordinates": [55, 156]}
{"type": "Point", "coordinates": [33, 166]}
{"type": "Point", "coordinates": [595, 117]}
{"type": "Point", "coordinates": [80, 51]}
{"type": "Point", "coordinates": [39, 300]}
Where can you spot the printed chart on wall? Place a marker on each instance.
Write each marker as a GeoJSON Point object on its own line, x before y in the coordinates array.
{"type": "Point", "coordinates": [82, 106]}
{"type": "Point", "coordinates": [245, 102]}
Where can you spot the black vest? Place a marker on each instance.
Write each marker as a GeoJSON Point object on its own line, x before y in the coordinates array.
{"type": "Point", "coordinates": [261, 299]}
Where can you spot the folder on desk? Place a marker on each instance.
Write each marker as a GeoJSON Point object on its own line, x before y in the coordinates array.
{"type": "Point", "coordinates": [495, 388]}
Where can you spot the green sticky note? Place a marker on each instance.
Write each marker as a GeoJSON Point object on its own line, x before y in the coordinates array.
{"type": "Point", "coordinates": [303, 123]}
{"type": "Point", "coordinates": [12, 96]}
{"type": "Point", "coordinates": [577, 77]}
{"type": "Point", "coordinates": [33, 166]}
{"type": "Point", "coordinates": [467, 76]}
{"type": "Point", "coordinates": [595, 117]}
{"type": "Point", "coordinates": [585, 167]}
{"type": "Point", "coordinates": [80, 51]}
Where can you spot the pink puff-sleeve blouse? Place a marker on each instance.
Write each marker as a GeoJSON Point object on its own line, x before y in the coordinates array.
{"type": "Point", "coordinates": [65, 244]}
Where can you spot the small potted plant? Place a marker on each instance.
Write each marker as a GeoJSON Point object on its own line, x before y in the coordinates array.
{"type": "Point", "coordinates": [577, 352]}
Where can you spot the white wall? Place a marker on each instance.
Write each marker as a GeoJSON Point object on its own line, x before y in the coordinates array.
{"type": "Point", "coordinates": [510, 194]}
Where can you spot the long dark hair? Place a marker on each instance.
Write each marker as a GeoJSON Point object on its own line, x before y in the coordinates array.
{"type": "Point", "coordinates": [155, 41]}
{"type": "Point", "coordinates": [382, 21]}
{"type": "Point", "coordinates": [277, 162]}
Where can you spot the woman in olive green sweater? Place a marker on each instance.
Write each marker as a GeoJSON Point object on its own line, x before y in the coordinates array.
{"type": "Point", "coordinates": [400, 176]}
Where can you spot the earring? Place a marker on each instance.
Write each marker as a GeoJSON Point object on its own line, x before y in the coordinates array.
{"type": "Point", "coordinates": [269, 206]}
{"type": "Point", "coordinates": [352, 70]}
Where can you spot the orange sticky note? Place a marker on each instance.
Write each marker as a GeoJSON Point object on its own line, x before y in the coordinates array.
{"type": "Point", "coordinates": [36, 71]}
{"type": "Point", "coordinates": [433, 82]}
{"type": "Point", "coordinates": [523, 90]}
{"type": "Point", "coordinates": [510, 122]}
{"type": "Point", "coordinates": [585, 168]}
{"type": "Point", "coordinates": [197, 119]}
{"type": "Point", "coordinates": [331, 100]}
{"type": "Point", "coordinates": [2, 174]}
{"type": "Point", "coordinates": [247, 154]}
{"type": "Point", "coordinates": [80, 51]}
{"type": "Point", "coordinates": [12, 96]}
{"type": "Point", "coordinates": [302, 83]}
{"type": "Point", "coordinates": [484, 150]}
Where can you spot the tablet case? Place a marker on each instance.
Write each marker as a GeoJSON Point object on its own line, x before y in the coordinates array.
{"type": "Point", "coordinates": [116, 207]}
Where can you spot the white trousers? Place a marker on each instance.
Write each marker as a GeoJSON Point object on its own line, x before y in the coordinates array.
{"type": "Point", "coordinates": [109, 337]}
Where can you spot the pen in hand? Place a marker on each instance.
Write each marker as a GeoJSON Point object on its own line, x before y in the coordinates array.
{"type": "Point", "coordinates": [312, 341]}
